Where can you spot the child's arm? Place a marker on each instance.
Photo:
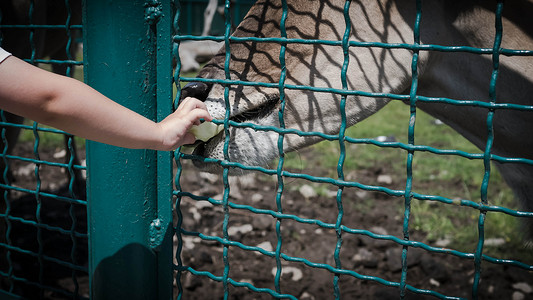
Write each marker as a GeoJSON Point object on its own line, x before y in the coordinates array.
{"type": "Point", "coordinates": [72, 106]}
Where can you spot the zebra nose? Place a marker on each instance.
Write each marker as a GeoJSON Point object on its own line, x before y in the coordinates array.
{"type": "Point", "coordinates": [198, 90]}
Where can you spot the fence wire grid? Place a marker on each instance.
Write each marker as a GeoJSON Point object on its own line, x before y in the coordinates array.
{"type": "Point", "coordinates": [337, 269]}
{"type": "Point", "coordinates": [27, 208]}
{"type": "Point", "coordinates": [44, 236]}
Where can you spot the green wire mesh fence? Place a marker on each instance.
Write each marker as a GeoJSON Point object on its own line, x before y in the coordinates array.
{"type": "Point", "coordinates": [226, 274]}
{"type": "Point", "coordinates": [337, 269]}
{"type": "Point", "coordinates": [198, 8]}
{"type": "Point", "coordinates": [43, 209]}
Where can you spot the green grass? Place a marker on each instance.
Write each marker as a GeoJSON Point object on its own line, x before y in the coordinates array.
{"type": "Point", "coordinates": [393, 121]}
{"type": "Point", "coordinates": [47, 139]}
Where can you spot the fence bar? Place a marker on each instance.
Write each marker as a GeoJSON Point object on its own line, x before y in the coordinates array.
{"type": "Point", "coordinates": [162, 235]}
{"type": "Point", "coordinates": [126, 233]}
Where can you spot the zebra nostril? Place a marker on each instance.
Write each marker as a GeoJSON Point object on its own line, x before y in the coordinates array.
{"type": "Point", "coordinates": [198, 90]}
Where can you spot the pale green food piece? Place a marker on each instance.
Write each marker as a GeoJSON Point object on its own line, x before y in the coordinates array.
{"type": "Point", "coordinates": [206, 130]}
{"type": "Point", "coordinates": [187, 149]}
{"type": "Point", "coordinates": [202, 132]}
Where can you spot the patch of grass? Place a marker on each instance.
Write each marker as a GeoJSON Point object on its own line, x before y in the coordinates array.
{"type": "Point", "coordinates": [47, 139]}
{"type": "Point", "coordinates": [392, 121]}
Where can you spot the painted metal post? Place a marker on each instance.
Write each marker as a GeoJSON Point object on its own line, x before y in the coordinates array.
{"type": "Point", "coordinates": [129, 192]}
{"type": "Point", "coordinates": [162, 237]}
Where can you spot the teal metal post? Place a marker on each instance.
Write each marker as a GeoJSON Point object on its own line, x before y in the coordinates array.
{"type": "Point", "coordinates": [129, 192]}
{"type": "Point", "coordinates": [161, 237]}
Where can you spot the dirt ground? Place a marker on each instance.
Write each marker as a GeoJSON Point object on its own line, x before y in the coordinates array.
{"type": "Point", "coordinates": [378, 213]}
{"type": "Point", "coordinates": [57, 215]}
{"type": "Point", "coordinates": [375, 212]}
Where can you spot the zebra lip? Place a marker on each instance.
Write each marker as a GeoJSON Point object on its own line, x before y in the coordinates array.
{"type": "Point", "coordinates": [199, 149]}
{"type": "Point", "coordinates": [199, 146]}
{"type": "Point", "coordinates": [258, 112]}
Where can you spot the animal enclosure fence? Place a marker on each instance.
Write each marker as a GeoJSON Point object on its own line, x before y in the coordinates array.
{"type": "Point", "coordinates": [337, 269]}
{"type": "Point", "coordinates": [138, 248]}
{"type": "Point", "coordinates": [43, 238]}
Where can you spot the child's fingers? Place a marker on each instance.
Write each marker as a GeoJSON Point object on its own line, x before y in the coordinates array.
{"type": "Point", "coordinates": [197, 114]}
{"type": "Point", "coordinates": [190, 103]}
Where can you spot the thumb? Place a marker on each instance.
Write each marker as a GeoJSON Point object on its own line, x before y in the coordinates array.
{"type": "Point", "coordinates": [188, 139]}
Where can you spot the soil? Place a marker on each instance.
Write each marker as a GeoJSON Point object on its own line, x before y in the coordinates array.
{"type": "Point", "coordinates": [57, 215]}
{"type": "Point", "coordinates": [375, 212]}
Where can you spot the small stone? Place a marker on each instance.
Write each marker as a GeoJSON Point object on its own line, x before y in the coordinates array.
{"type": "Point", "coordinates": [523, 287]}
{"type": "Point", "coordinates": [262, 222]}
{"type": "Point", "coordinates": [490, 289]}
{"type": "Point", "coordinates": [351, 176]}
{"type": "Point", "coordinates": [235, 190]}
{"type": "Point", "coordinates": [386, 179]}
{"type": "Point", "coordinates": [267, 246]}
{"type": "Point", "coordinates": [384, 139]}
{"type": "Point", "coordinates": [518, 296]}
{"type": "Point", "coordinates": [361, 194]}
{"type": "Point", "coordinates": [380, 243]}
{"type": "Point", "coordinates": [307, 191]}
{"type": "Point", "coordinates": [434, 282]}
{"type": "Point", "coordinates": [443, 243]}
{"type": "Point", "coordinates": [189, 242]}
{"type": "Point", "coordinates": [257, 198]}
{"type": "Point", "coordinates": [84, 171]}
{"type": "Point", "coordinates": [378, 230]}
{"type": "Point", "coordinates": [296, 274]}
{"type": "Point", "coordinates": [211, 178]}
{"type": "Point", "coordinates": [195, 214]}
{"type": "Point", "coordinates": [243, 229]}
{"type": "Point", "coordinates": [25, 170]}
{"type": "Point", "coordinates": [365, 258]}
{"type": "Point", "coordinates": [307, 296]}
{"type": "Point", "coordinates": [60, 154]}
{"type": "Point", "coordinates": [494, 242]}
{"type": "Point", "coordinates": [248, 182]}
{"type": "Point", "coordinates": [331, 194]}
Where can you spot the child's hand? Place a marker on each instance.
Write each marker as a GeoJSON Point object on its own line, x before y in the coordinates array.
{"type": "Point", "coordinates": [174, 129]}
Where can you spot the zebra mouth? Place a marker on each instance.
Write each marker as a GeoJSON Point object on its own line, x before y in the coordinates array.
{"type": "Point", "coordinates": [258, 114]}
{"type": "Point", "coordinates": [252, 115]}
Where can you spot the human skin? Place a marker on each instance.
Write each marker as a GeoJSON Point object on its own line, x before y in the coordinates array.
{"type": "Point", "coordinates": [75, 107]}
